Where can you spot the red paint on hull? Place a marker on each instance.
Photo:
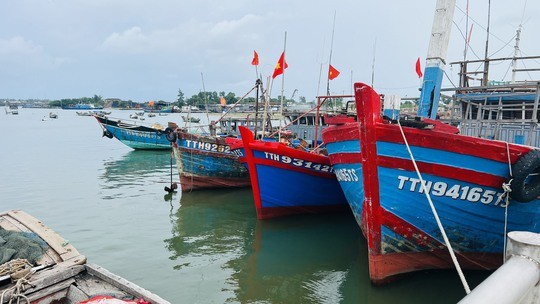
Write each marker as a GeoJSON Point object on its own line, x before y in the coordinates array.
{"type": "Point", "coordinates": [384, 268]}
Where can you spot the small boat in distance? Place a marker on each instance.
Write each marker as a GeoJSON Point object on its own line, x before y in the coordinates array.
{"type": "Point", "coordinates": [53, 115]}
{"type": "Point", "coordinates": [45, 268]}
{"type": "Point", "coordinates": [82, 106]}
{"type": "Point", "coordinates": [191, 119]}
{"type": "Point", "coordinates": [12, 108]}
{"type": "Point", "coordinates": [135, 134]}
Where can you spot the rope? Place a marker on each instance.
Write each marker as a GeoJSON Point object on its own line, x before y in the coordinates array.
{"type": "Point", "coordinates": [435, 214]}
{"type": "Point", "coordinates": [13, 267]}
{"type": "Point", "coordinates": [507, 189]}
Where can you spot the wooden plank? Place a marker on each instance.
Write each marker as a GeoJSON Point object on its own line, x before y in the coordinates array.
{"type": "Point", "coordinates": [55, 241]}
{"type": "Point", "coordinates": [124, 284]}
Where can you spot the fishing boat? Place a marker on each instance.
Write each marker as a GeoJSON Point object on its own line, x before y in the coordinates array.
{"type": "Point", "coordinates": [203, 157]}
{"type": "Point", "coordinates": [291, 175]}
{"type": "Point", "coordinates": [12, 108]}
{"type": "Point", "coordinates": [82, 106]}
{"type": "Point", "coordinates": [53, 115]}
{"type": "Point", "coordinates": [135, 134]}
{"type": "Point", "coordinates": [38, 266]}
{"type": "Point", "coordinates": [425, 195]}
{"type": "Point", "coordinates": [85, 113]}
{"type": "Point", "coordinates": [190, 119]}
{"type": "Point", "coordinates": [205, 161]}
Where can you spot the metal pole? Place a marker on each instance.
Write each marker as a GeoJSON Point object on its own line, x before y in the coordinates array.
{"type": "Point", "coordinates": [515, 281]}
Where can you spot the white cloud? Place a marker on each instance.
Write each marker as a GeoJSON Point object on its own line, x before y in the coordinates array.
{"type": "Point", "coordinates": [20, 47]}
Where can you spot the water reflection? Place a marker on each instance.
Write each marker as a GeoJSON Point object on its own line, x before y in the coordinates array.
{"type": "Point", "coordinates": [300, 259]}
{"type": "Point", "coordinates": [136, 169]}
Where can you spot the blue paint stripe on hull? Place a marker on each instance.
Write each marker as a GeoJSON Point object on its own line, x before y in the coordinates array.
{"type": "Point", "coordinates": [351, 188]}
{"type": "Point", "coordinates": [212, 166]}
{"type": "Point", "coordinates": [139, 139]}
{"type": "Point", "coordinates": [472, 221]}
{"type": "Point", "coordinates": [285, 188]}
{"type": "Point", "coordinates": [473, 224]}
{"type": "Point", "coordinates": [348, 146]}
{"type": "Point", "coordinates": [436, 156]}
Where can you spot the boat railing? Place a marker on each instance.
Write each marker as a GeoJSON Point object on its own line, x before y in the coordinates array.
{"type": "Point", "coordinates": [508, 117]}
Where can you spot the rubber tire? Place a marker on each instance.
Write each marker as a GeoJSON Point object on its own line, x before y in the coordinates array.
{"type": "Point", "coordinates": [171, 135]}
{"type": "Point", "coordinates": [107, 134]}
{"type": "Point", "coordinates": [526, 188]}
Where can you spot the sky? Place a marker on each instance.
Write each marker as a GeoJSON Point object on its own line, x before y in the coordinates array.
{"type": "Point", "coordinates": [145, 50]}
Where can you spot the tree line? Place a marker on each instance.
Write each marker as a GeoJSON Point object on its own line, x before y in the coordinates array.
{"type": "Point", "coordinates": [201, 100]}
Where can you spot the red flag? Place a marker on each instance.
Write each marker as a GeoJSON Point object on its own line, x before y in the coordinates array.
{"type": "Point", "coordinates": [255, 60]}
{"type": "Point", "coordinates": [280, 66]}
{"type": "Point", "coordinates": [418, 69]}
{"type": "Point", "coordinates": [332, 72]}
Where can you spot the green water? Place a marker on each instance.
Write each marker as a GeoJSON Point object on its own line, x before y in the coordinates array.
{"type": "Point", "coordinates": [198, 247]}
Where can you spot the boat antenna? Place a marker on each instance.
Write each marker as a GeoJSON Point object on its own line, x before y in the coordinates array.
{"type": "Point", "coordinates": [282, 84]}
{"type": "Point", "coordinates": [258, 84]}
{"type": "Point", "coordinates": [373, 64]}
{"type": "Point", "coordinates": [486, 61]}
{"type": "Point", "coordinates": [320, 69]}
{"type": "Point", "coordinates": [467, 34]}
{"type": "Point", "coordinates": [330, 57]}
{"type": "Point", "coordinates": [205, 98]}
{"type": "Point", "coordinates": [516, 47]}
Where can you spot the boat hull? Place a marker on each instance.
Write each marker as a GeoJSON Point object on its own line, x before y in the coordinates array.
{"type": "Point", "coordinates": [288, 181]}
{"type": "Point", "coordinates": [207, 162]}
{"type": "Point", "coordinates": [462, 175]}
{"type": "Point", "coordinates": [135, 136]}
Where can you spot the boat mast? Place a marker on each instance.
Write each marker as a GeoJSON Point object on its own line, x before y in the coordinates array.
{"type": "Point", "coordinates": [516, 53]}
{"type": "Point", "coordinates": [435, 61]}
{"type": "Point", "coordinates": [486, 55]}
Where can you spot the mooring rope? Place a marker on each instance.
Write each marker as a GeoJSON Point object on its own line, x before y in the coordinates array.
{"type": "Point", "coordinates": [507, 189]}
{"type": "Point", "coordinates": [436, 215]}
{"type": "Point", "coordinates": [16, 266]}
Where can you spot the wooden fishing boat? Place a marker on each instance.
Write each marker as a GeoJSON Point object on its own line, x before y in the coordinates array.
{"type": "Point", "coordinates": [282, 168]}
{"type": "Point", "coordinates": [205, 161]}
{"type": "Point", "coordinates": [203, 157]}
{"type": "Point", "coordinates": [135, 134]}
{"type": "Point", "coordinates": [425, 196]}
{"type": "Point", "coordinates": [466, 178]}
{"type": "Point", "coordinates": [290, 180]}
{"type": "Point", "coordinates": [43, 268]}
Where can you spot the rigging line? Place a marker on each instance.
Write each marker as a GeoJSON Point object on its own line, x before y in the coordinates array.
{"type": "Point", "coordinates": [435, 214]}
{"type": "Point", "coordinates": [448, 77]}
{"type": "Point", "coordinates": [464, 38]}
{"type": "Point", "coordinates": [523, 15]}
{"type": "Point", "coordinates": [485, 29]}
{"type": "Point", "coordinates": [509, 41]}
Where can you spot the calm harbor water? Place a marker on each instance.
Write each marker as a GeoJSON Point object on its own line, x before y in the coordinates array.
{"type": "Point", "coordinates": [198, 247]}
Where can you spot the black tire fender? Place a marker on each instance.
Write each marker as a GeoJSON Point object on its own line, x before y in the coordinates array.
{"type": "Point", "coordinates": [107, 134]}
{"type": "Point", "coordinates": [526, 177]}
{"type": "Point", "coordinates": [171, 135]}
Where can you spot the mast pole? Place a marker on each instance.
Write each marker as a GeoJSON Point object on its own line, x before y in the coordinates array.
{"type": "Point", "coordinates": [330, 58]}
{"type": "Point", "coordinates": [516, 53]}
{"type": "Point", "coordinates": [435, 60]}
{"type": "Point", "coordinates": [282, 84]}
{"type": "Point", "coordinates": [486, 59]}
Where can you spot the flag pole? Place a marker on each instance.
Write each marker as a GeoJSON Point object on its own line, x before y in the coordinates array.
{"type": "Point", "coordinates": [330, 58]}
{"type": "Point", "coordinates": [282, 84]}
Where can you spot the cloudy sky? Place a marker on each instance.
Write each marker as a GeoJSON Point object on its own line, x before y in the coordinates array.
{"type": "Point", "coordinates": [149, 49]}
